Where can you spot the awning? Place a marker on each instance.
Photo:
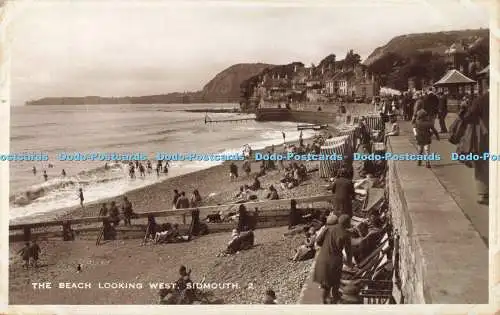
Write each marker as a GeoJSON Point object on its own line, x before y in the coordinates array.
{"type": "Point", "coordinates": [485, 71]}
{"type": "Point", "coordinates": [454, 77]}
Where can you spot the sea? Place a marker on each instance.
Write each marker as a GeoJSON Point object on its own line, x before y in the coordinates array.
{"type": "Point", "coordinates": [119, 129]}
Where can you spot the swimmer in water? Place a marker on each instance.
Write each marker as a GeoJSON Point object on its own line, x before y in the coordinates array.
{"type": "Point", "coordinates": [158, 168]}
{"type": "Point", "coordinates": [142, 171]}
{"type": "Point", "coordinates": [131, 170]}
{"type": "Point", "coordinates": [34, 170]}
{"type": "Point", "coordinates": [51, 166]}
{"type": "Point", "coordinates": [106, 166]}
{"type": "Point", "coordinates": [63, 173]}
{"type": "Point", "coordinates": [150, 167]}
{"type": "Point", "coordinates": [80, 196]}
{"type": "Point", "coordinates": [45, 176]}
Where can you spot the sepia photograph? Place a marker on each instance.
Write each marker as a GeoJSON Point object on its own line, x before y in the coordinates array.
{"type": "Point", "coordinates": [248, 152]}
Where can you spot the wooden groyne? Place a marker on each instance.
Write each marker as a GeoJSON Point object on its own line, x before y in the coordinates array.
{"type": "Point", "coordinates": [271, 213]}
{"type": "Point", "coordinates": [208, 120]}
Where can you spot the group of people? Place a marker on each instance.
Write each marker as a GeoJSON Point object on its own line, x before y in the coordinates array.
{"type": "Point", "coordinates": [45, 175]}
{"type": "Point", "coordinates": [180, 201]}
{"type": "Point", "coordinates": [139, 167]}
{"type": "Point", "coordinates": [112, 213]}
{"type": "Point", "coordinates": [30, 254]}
{"type": "Point", "coordinates": [293, 176]}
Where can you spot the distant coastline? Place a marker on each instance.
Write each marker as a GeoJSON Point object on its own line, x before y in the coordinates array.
{"type": "Point", "coordinates": [172, 98]}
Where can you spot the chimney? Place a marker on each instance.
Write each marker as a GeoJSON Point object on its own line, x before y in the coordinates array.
{"type": "Point", "coordinates": [322, 70]}
{"type": "Point", "coordinates": [295, 68]}
{"type": "Point", "coordinates": [278, 76]}
{"type": "Point", "coordinates": [310, 71]}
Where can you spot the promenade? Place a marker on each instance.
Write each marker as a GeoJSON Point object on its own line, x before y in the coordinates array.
{"type": "Point", "coordinates": [443, 230]}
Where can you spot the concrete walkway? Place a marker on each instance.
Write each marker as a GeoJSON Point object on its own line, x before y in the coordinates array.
{"type": "Point", "coordinates": [456, 178]}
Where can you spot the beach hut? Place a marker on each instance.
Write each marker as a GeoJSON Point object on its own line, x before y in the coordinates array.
{"type": "Point", "coordinates": [455, 82]}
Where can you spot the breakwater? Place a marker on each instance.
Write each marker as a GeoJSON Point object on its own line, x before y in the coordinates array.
{"type": "Point", "coordinates": [283, 114]}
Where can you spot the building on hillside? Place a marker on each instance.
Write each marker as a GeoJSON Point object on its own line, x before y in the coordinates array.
{"type": "Point", "coordinates": [456, 57]}
{"type": "Point", "coordinates": [366, 87]}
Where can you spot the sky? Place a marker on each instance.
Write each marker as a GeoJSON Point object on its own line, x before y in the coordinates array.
{"type": "Point", "coordinates": [127, 48]}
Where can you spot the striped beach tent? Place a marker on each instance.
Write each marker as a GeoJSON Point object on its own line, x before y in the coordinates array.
{"type": "Point", "coordinates": [328, 168]}
{"type": "Point", "coordinates": [335, 141]}
{"type": "Point", "coordinates": [351, 133]}
{"type": "Point", "coordinates": [375, 123]}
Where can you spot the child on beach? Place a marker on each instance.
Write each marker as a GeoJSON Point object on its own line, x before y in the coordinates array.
{"type": "Point", "coordinates": [35, 252]}
{"type": "Point", "coordinates": [142, 171]}
{"type": "Point", "coordinates": [34, 170]}
{"type": "Point", "coordinates": [45, 176]}
{"type": "Point", "coordinates": [63, 173]}
{"type": "Point", "coordinates": [25, 254]}
{"type": "Point", "coordinates": [80, 196]}
{"type": "Point", "coordinates": [114, 214]}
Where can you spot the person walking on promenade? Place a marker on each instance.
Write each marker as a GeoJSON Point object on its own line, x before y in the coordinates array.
{"type": "Point", "coordinates": [476, 140]}
{"type": "Point", "coordinates": [333, 240]}
{"type": "Point", "coordinates": [343, 189]}
{"type": "Point", "coordinates": [442, 112]}
{"type": "Point", "coordinates": [423, 130]}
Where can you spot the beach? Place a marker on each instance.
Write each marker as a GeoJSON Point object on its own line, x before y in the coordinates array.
{"type": "Point", "coordinates": [264, 266]}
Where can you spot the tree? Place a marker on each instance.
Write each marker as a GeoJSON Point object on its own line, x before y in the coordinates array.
{"type": "Point", "coordinates": [352, 59]}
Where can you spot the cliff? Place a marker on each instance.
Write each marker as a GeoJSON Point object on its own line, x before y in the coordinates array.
{"type": "Point", "coordinates": [406, 45]}
{"type": "Point", "coordinates": [224, 87]}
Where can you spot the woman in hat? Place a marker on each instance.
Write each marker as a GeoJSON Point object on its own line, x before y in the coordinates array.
{"type": "Point", "coordinates": [328, 269]}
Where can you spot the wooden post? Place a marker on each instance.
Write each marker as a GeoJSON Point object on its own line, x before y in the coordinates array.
{"type": "Point", "coordinates": [147, 232]}
{"type": "Point", "coordinates": [99, 237]}
{"type": "Point", "coordinates": [27, 234]}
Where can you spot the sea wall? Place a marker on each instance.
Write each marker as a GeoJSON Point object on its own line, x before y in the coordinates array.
{"type": "Point", "coordinates": [442, 259]}
{"type": "Point", "coordinates": [283, 114]}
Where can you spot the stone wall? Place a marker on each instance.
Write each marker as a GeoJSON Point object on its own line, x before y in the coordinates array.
{"type": "Point", "coordinates": [410, 266]}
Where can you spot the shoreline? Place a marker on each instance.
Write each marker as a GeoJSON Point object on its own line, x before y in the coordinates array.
{"type": "Point", "coordinates": [213, 183]}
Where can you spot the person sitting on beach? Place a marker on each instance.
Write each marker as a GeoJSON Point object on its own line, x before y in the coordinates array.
{"type": "Point", "coordinates": [164, 234]}
{"type": "Point", "coordinates": [255, 185]}
{"type": "Point", "coordinates": [127, 211]}
{"type": "Point", "coordinates": [246, 167]}
{"type": "Point", "coordinates": [306, 250]}
{"type": "Point", "coordinates": [184, 287]}
{"type": "Point", "coordinates": [243, 240]}
{"type": "Point", "coordinates": [182, 202]}
{"type": "Point", "coordinates": [176, 197]}
{"type": "Point", "coordinates": [243, 219]}
{"type": "Point", "coordinates": [270, 297]}
{"type": "Point", "coordinates": [25, 254]}
{"type": "Point", "coordinates": [114, 214]}
{"type": "Point", "coordinates": [35, 253]}
{"type": "Point", "coordinates": [103, 211]}
{"type": "Point", "coordinates": [233, 171]}
{"type": "Point", "coordinates": [288, 181]}
{"type": "Point", "coordinates": [195, 199]}
{"type": "Point", "coordinates": [273, 194]}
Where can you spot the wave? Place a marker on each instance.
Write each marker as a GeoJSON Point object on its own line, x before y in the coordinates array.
{"type": "Point", "coordinates": [85, 178]}
{"type": "Point", "coordinates": [23, 137]}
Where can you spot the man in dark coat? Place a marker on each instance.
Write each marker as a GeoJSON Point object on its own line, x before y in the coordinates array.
{"type": "Point", "coordinates": [328, 270]}
{"type": "Point", "coordinates": [442, 112]}
{"type": "Point", "coordinates": [478, 115]}
{"type": "Point", "coordinates": [343, 188]}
